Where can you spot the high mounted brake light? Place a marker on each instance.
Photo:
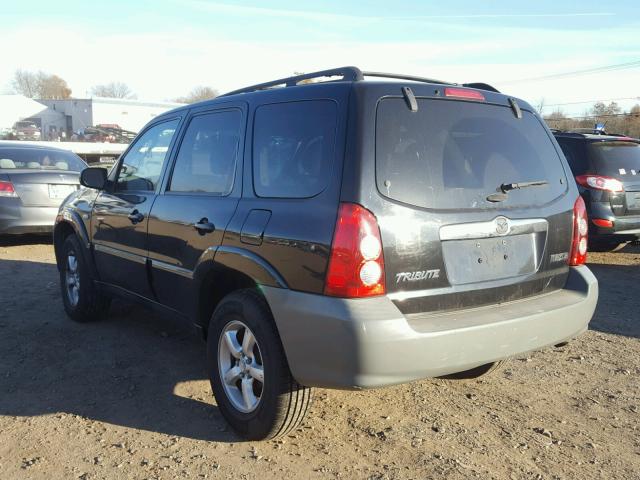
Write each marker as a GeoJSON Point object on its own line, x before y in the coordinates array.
{"type": "Point", "coordinates": [600, 182]}
{"type": "Point", "coordinates": [6, 189]}
{"type": "Point", "coordinates": [578, 255]}
{"type": "Point", "coordinates": [356, 263]}
{"type": "Point", "coordinates": [464, 93]}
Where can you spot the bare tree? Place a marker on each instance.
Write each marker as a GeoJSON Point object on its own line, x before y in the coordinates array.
{"type": "Point", "coordinates": [40, 85]}
{"type": "Point", "coordinates": [540, 106]}
{"type": "Point", "coordinates": [113, 90]}
{"type": "Point", "coordinates": [198, 94]}
{"type": "Point", "coordinates": [28, 83]}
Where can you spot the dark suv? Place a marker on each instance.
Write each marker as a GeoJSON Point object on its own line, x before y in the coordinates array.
{"type": "Point", "coordinates": [607, 170]}
{"type": "Point", "coordinates": [344, 234]}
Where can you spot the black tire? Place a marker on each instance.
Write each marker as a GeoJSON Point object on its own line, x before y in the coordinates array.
{"type": "Point", "coordinates": [90, 305]}
{"type": "Point", "coordinates": [283, 402]}
{"type": "Point", "coordinates": [477, 372]}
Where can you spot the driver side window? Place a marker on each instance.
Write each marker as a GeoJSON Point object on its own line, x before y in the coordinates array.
{"type": "Point", "coordinates": [142, 165]}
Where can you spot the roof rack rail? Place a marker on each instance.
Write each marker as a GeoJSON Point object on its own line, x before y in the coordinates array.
{"type": "Point", "coordinates": [347, 73]}
{"type": "Point", "coordinates": [350, 74]}
{"type": "Point", "coordinates": [405, 77]}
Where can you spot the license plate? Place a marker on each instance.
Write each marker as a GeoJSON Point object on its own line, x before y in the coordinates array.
{"type": "Point", "coordinates": [469, 261]}
{"type": "Point", "coordinates": [61, 191]}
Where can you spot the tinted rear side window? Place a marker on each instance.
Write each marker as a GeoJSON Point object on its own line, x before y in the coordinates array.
{"type": "Point", "coordinates": [293, 147]}
{"type": "Point", "coordinates": [616, 159]}
{"type": "Point", "coordinates": [451, 155]}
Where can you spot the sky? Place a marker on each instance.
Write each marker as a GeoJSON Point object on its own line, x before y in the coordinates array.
{"type": "Point", "coordinates": [164, 48]}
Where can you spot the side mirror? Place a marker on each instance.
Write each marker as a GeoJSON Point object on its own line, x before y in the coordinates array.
{"type": "Point", "coordinates": [93, 177]}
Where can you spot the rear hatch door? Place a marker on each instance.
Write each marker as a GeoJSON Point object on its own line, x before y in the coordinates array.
{"type": "Point", "coordinates": [446, 245]}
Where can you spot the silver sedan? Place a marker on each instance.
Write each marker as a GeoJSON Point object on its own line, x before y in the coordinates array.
{"type": "Point", "coordinates": [33, 183]}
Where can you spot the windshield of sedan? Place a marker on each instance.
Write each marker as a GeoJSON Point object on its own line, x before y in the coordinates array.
{"type": "Point", "coordinates": [39, 159]}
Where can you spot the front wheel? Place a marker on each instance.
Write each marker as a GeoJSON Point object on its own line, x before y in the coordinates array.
{"type": "Point", "coordinates": [82, 300]}
{"type": "Point", "coordinates": [248, 370]}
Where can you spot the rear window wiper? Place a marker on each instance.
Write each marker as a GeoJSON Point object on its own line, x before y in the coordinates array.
{"type": "Point", "coordinates": [503, 190]}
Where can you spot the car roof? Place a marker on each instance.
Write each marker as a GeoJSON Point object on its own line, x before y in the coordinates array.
{"type": "Point", "coordinates": [596, 137]}
{"type": "Point", "coordinates": [31, 146]}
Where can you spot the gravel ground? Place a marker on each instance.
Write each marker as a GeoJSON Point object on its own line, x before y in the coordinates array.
{"type": "Point", "coordinates": [128, 398]}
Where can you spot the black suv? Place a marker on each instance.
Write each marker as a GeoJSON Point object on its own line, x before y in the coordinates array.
{"type": "Point", "coordinates": [607, 170]}
{"type": "Point", "coordinates": [342, 233]}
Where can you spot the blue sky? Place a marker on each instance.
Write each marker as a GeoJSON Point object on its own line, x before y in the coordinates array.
{"type": "Point", "coordinates": [164, 48]}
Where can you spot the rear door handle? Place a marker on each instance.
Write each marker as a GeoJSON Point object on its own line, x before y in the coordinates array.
{"type": "Point", "coordinates": [204, 226]}
{"type": "Point", "coordinates": [135, 217]}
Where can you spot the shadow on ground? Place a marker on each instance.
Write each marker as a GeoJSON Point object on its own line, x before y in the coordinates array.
{"type": "Point", "coordinates": [125, 370]}
{"type": "Point", "coordinates": [15, 240]}
{"type": "Point", "coordinates": [618, 296]}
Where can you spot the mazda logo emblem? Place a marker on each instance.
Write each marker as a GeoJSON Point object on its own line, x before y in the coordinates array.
{"type": "Point", "coordinates": [502, 225]}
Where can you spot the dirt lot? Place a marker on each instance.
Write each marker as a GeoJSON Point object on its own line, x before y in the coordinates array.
{"type": "Point", "coordinates": [128, 398]}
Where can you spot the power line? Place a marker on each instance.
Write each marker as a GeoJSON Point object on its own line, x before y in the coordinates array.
{"type": "Point", "coordinates": [590, 101]}
{"type": "Point", "coordinates": [575, 73]}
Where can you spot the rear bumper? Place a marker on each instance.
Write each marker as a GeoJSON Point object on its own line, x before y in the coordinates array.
{"type": "Point", "coordinates": [367, 343]}
{"type": "Point", "coordinates": [18, 219]}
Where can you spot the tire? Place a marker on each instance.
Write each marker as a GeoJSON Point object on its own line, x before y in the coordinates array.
{"type": "Point", "coordinates": [256, 409]}
{"type": "Point", "coordinates": [81, 298]}
{"type": "Point", "coordinates": [477, 372]}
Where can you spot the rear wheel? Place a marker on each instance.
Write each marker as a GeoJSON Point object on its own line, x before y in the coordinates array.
{"type": "Point", "coordinates": [477, 372]}
{"type": "Point", "coordinates": [248, 369]}
{"type": "Point", "coordinates": [80, 296]}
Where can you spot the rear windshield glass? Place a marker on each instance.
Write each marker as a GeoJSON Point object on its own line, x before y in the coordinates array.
{"type": "Point", "coordinates": [451, 155]}
{"type": "Point", "coordinates": [37, 159]}
{"type": "Point", "coordinates": [615, 159]}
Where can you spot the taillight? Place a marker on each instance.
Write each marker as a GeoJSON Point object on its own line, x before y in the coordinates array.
{"type": "Point", "coordinates": [578, 254]}
{"type": "Point", "coordinates": [356, 264]}
{"type": "Point", "coordinates": [602, 222]}
{"type": "Point", "coordinates": [464, 93]}
{"type": "Point", "coordinates": [600, 182]}
{"type": "Point", "coordinates": [7, 190]}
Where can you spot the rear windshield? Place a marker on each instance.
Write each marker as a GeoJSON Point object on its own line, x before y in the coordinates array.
{"type": "Point", "coordinates": [39, 159]}
{"type": "Point", "coordinates": [452, 154]}
{"type": "Point", "coordinates": [615, 159]}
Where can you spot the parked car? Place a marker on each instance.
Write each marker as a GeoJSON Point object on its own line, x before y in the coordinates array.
{"type": "Point", "coordinates": [607, 170]}
{"type": "Point", "coordinates": [343, 234]}
{"type": "Point", "coordinates": [26, 130]}
{"type": "Point", "coordinates": [33, 183]}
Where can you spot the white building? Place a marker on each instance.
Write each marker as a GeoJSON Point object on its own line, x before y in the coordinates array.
{"type": "Point", "coordinates": [74, 114]}
{"type": "Point", "coordinates": [71, 115]}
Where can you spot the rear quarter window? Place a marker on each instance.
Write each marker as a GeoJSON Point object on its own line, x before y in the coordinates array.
{"type": "Point", "coordinates": [453, 154]}
{"type": "Point", "coordinates": [293, 148]}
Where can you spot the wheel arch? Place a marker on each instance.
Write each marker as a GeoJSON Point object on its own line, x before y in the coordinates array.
{"type": "Point", "coordinates": [231, 269]}
{"type": "Point", "coordinates": [69, 223]}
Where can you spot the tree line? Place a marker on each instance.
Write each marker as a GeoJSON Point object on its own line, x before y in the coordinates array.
{"type": "Point", "coordinates": [614, 119]}
{"type": "Point", "coordinates": [46, 86]}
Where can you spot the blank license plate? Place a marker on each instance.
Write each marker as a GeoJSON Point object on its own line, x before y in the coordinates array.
{"type": "Point", "coordinates": [61, 191]}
